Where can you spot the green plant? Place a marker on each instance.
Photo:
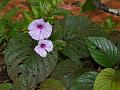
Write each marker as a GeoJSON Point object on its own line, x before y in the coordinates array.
{"type": "Point", "coordinates": [80, 48]}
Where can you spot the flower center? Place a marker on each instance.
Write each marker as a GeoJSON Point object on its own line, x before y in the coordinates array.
{"type": "Point", "coordinates": [40, 26]}
{"type": "Point", "coordinates": [42, 45]}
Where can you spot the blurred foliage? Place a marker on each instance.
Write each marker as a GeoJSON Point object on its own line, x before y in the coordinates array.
{"type": "Point", "coordinates": [6, 86]}
{"type": "Point", "coordinates": [3, 3]}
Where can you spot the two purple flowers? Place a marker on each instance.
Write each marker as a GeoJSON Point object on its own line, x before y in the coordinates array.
{"type": "Point", "coordinates": [41, 31]}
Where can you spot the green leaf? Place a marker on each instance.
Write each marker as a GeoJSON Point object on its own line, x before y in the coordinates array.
{"type": "Point", "coordinates": [103, 51]}
{"type": "Point", "coordinates": [88, 6]}
{"type": "Point", "coordinates": [35, 11]}
{"type": "Point", "coordinates": [85, 81]}
{"type": "Point", "coordinates": [108, 79]}
{"type": "Point", "coordinates": [71, 30]}
{"type": "Point", "coordinates": [28, 16]}
{"type": "Point", "coordinates": [74, 27]}
{"type": "Point", "coordinates": [66, 71]}
{"type": "Point", "coordinates": [109, 25]}
{"type": "Point", "coordinates": [60, 11]}
{"type": "Point", "coordinates": [26, 68]}
{"type": "Point", "coordinates": [52, 84]}
{"type": "Point", "coordinates": [75, 49]}
{"type": "Point", "coordinates": [3, 3]}
{"type": "Point", "coordinates": [115, 38]}
{"type": "Point", "coordinates": [6, 86]}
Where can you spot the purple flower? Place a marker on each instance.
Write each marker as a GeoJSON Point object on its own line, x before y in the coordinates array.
{"type": "Point", "coordinates": [43, 47]}
{"type": "Point", "coordinates": [38, 29]}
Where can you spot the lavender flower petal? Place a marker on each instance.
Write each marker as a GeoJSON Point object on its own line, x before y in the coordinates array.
{"type": "Point", "coordinates": [41, 51]}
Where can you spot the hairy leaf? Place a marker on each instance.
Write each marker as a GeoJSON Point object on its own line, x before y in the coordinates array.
{"type": "Point", "coordinates": [108, 79]}
{"type": "Point", "coordinates": [26, 68]}
{"type": "Point", "coordinates": [103, 51]}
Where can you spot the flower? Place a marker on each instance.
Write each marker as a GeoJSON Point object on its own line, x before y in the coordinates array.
{"type": "Point", "coordinates": [43, 47]}
{"type": "Point", "coordinates": [38, 29]}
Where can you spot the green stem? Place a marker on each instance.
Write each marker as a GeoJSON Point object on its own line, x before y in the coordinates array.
{"type": "Point", "coordinates": [4, 33]}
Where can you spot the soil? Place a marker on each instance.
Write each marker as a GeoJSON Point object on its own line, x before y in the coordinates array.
{"type": "Point", "coordinates": [96, 16]}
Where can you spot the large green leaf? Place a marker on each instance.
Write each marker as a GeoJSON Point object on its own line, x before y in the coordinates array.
{"type": "Point", "coordinates": [6, 86]}
{"type": "Point", "coordinates": [85, 81]}
{"type": "Point", "coordinates": [103, 51]}
{"type": "Point", "coordinates": [88, 6]}
{"type": "Point", "coordinates": [74, 27]}
{"type": "Point", "coordinates": [108, 79]}
{"type": "Point", "coordinates": [52, 84]}
{"type": "Point", "coordinates": [26, 68]}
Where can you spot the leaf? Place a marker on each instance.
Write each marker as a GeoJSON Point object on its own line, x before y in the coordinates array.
{"type": "Point", "coordinates": [115, 38]}
{"type": "Point", "coordinates": [66, 71]}
{"type": "Point", "coordinates": [85, 81]}
{"type": "Point", "coordinates": [6, 86]}
{"type": "Point", "coordinates": [52, 84]}
{"type": "Point", "coordinates": [75, 49]}
{"type": "Point", "coordinates": [26, 68]}
{"type": "Point", "coordinates": [3, 4]}
{"type": "Point", "coordinates": [108, 79]}
{"type": "Point", "coordinates": [35, 11]}
{"type": "Point", "coordinates": [75, 27]}
{"type": "Point", "coordinates": [28, 16]}
{"type": "Point", "coordinates": [71, 30]}
{"type": "Point", "coordinates": [60, 11]}
{"type": "Point", "coordinates": [88, 6]}
{"type": "Point", "coordinates": [103, 51]}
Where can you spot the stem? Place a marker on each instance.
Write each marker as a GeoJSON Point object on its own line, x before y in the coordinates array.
{"type": "Point", "coordinates": [105, 8]}
{"type": "Point", "coordinates": [4, 33]}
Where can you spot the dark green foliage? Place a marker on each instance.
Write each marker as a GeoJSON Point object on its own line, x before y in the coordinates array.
{"type": "Point", "coordinates": [72, 30]}
{"type": "Point", "coordinates": [66, 71]}
{"type": "Point", "coordinates": [88, 6]}
{"type": "Point", "coordinates": [75, 50]}
{"type": "Point", "coordinates": [75, 27]}
{"type": "Point", "coordinates": [85, 81]}
{"type": "Point", "coordinates": [25, 68]}
{"type": "Point", "coordinates": [103, 51]}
